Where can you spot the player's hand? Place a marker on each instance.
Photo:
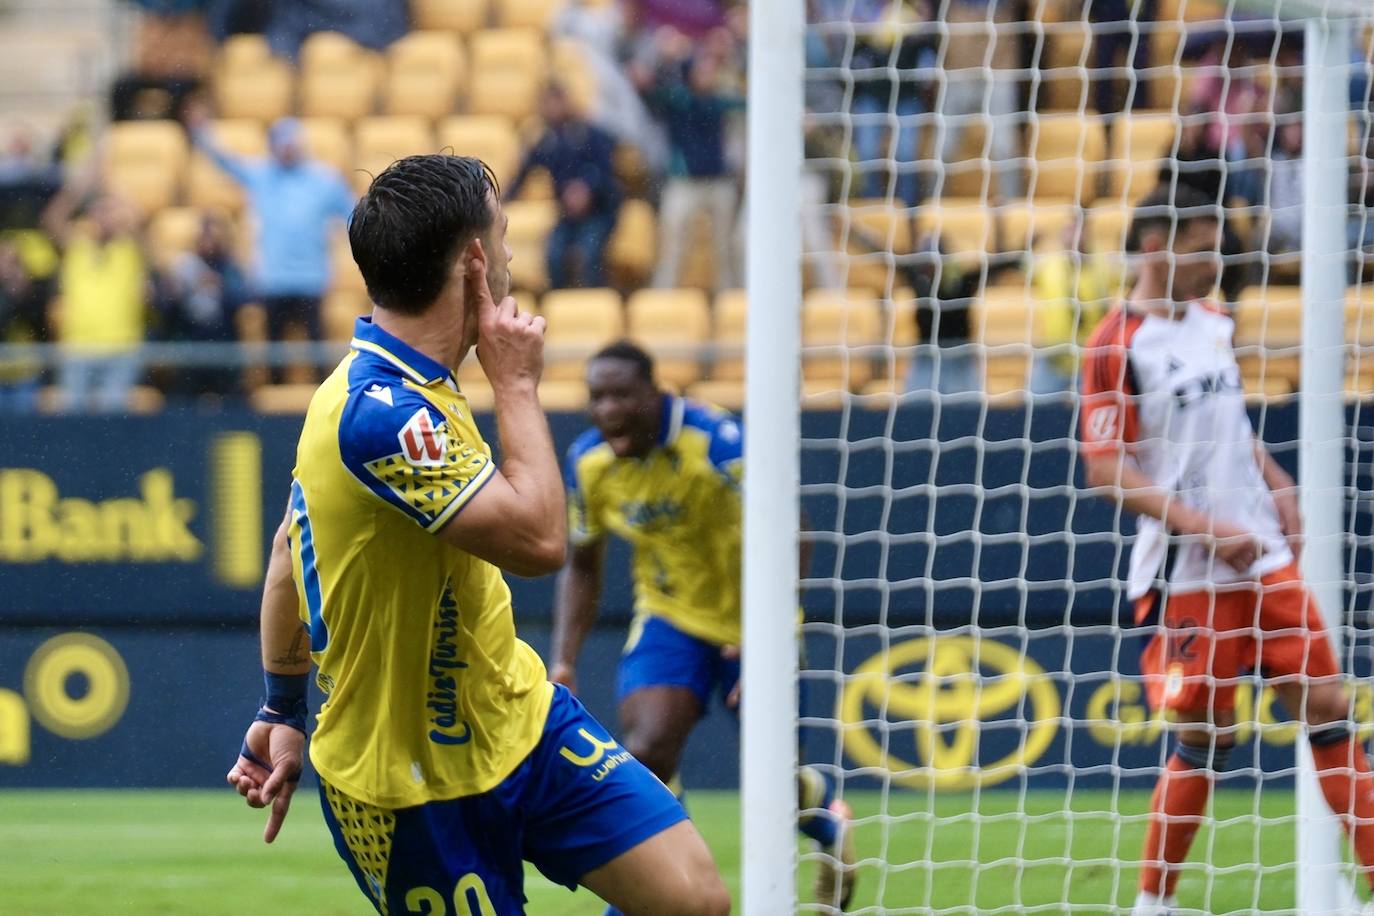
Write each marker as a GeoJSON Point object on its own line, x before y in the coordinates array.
{"type": "Point", "coordinates": [510, 343]}
{"type": "Point", "coordinates": [732, 654]}
{"type": "Point", "coordinates": [1235, 546]}
{"type": "Point", "coordinates": [270, 775]}
{"type": "Point", "coordinates": [1290, 519]}
{"type": "Point", "coordinates": [565, 674]}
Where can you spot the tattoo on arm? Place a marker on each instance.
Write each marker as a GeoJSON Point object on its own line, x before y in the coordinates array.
{"type": "Point", "coordinates": [299, 651]}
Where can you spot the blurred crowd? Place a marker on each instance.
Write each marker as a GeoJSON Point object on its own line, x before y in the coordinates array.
{"type": "Point", "coordinates": [894, 91]}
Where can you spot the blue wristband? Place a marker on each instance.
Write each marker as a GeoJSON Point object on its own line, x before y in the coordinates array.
{"type": "Point", "coordinates": [285, 700]}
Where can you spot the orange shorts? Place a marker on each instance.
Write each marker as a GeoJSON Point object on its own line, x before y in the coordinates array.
{"type": "Point", "coordinates": [1206, 638]}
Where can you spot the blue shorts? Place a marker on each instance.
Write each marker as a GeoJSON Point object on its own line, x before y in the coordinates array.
{"type": "Point", "coordinates": [575, 803]}
{"type": "Point", "coordinates": [658, 654]}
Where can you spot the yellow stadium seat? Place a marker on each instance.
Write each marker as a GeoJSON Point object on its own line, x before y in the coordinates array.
{"type": "Point", "coordinates": [1107, 227]}
{"type": "Point", "coordinates": [881, 226]}
{"type": "Point", "coordinates": [327, 49]}
{"type": "Point", "coordinates": [425, 74]}
{"type": "Point", "coordinates": [727, 394]}
{"type": "Point", "coordinates": [1030, 226]}
{"type": "Point", "coordinates": [1138, 144]}
{"type": "Point", "coordinates": [512, 93]}
{"type": "Point", "coordinates": [282, 399]}
{"type": "Point", "coordinates": [667, 321]}
{"type": "Point", "coordinates": [490, 138]}
{"type": "Point", "coordinates": [1065, 150]}
{"type": "Point", "coordinates": [145, 162]}
{"type": "Point", "coordinates": [535, 14]}
{"type": "Point", "coordinates": [461, 16]}
{"type": "Point", "coordinates": [206, 185]}
{"type": "Point", "coordinates": [508, 70]}
{"type": "Point", "coordinates": [261, 90]}
{"type": "Point", "coordinates": [1003, 323]}
{"type": "Point", "coordinates": [344, 273]}
{"type": "Point", "coordinates": [729, 317]}
{"type": "Point", "coordinates": [835, 325]}
{"type": "Point", "coordinates": [509, 49]}
{"type": "Point", "coordinates": [1269, 318]}
{"type": "Point", "coordinates": [339, 89]}
{"type": "Point", "coordinates": [341, 308]}
{"type": "Point", "coordinates": [967, 175]}
{"type": "Point", "coordinates": [173, 232]}
{"type": "Point", "coordinates": [963, 228]}
{"type": "Point", "coordinates": [574, 73]}
{"type": "Point", "coordinates": [530, 223]}
{"type": "Point", "coordinates": [633, 249]}
{"type": "Point", "coordinates": [580, 321]}
{"type": "Point", "coordinates": [327, 140]}
{"type": "Point", "coordinates": [380, 141]}
{"type": "Point", "coordinates": [567, 395]}
{"type": "Point", "coordinates": [242, 51]}
{"type": "Point", "coordinates": [1359, 320]}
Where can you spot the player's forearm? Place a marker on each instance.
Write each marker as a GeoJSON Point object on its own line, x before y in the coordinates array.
{"type": "Point", "coordinates": [1275, 477]}
{"type": "Point", "coordinates": [1138, 493]}
{"type": "Point", "coordinates": [285, 640]}
{"type": "Point", "coordinates": [579, 596]}
{"type": "Point", "coordinates": [530, 466]}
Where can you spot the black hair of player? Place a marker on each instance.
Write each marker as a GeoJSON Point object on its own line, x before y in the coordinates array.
{"type": "Point", "coordinates": [631, 353]}
{"type": "Point", "coordinates": [412, 222]}
{"type": "Point", "coordinates": [1169, 210]}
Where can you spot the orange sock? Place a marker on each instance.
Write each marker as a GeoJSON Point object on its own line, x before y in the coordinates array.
{"type": "Point", "coordinates": [1175, 814]}
{"type": "Point", "coordinates": [1348, 784]}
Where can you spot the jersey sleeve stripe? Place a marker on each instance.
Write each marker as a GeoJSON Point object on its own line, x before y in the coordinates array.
{"type": "Point", "coordinates": [463, 497]}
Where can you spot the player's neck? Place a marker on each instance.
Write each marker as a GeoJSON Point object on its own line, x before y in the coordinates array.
{"type": "Point", "coordinates": [1148, 297]}
{"type": "Point", "coordinates": [437, 333]}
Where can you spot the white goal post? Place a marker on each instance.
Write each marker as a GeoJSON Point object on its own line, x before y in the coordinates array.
{"type": "Point", "coordinates": [772, 489]}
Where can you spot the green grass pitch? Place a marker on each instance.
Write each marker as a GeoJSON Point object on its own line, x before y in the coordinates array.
{"type": "Point", "coordinates": [201, 853]}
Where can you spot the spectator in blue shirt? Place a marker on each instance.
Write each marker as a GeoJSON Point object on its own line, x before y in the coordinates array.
{"type": "Point", "coordinates": [295, 202]}
{"type": "Point", "coordinates": [689, 97]}
{"type": "Point", "coordinates": [579, 158]}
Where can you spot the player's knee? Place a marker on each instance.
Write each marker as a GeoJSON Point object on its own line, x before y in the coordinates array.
{"type": "Point", "coordinates": [659, 756]}
{"type": "Point", "coordinates": [1214, 755]}
{"type": "Point", "coordinates": [709, 897]}
{"type": "Point", "coordinates": [1326, 704]}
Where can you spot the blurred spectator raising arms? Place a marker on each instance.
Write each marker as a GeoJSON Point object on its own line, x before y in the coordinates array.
{"type": "Point", "coordinates": [295, 202]}
{"type": "Point", "coordinates": [579, 157]}
{"type": "Point", "coordinates": [688, 96]}
{"type": "Point", "coordinates": [100, 316]}
{"type": "Point", "coordinates": [892, 58]}
{"type": "Point", "coordinates": [203, 292]}
{"type": "Point", "coordinates": [23, 317]}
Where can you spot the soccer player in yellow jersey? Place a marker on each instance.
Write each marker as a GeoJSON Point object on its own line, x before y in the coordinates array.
{"type": "Point", "coordinates": [445, 756]}
{"type": "Point", "coordinates": [664, 473]}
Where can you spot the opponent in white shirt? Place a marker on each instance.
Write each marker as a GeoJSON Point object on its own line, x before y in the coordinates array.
{"type": "Point", "coordinates": [1166, 434]}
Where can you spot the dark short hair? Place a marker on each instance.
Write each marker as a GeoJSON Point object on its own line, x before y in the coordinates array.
{"type": "Point", "coordinates": [629, 352]}
{"type": "Point", "coordinates": [408, 227]}
{"type": "Point", "coordinates": [1170, 209]}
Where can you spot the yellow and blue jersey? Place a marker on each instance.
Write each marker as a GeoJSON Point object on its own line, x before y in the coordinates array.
{"type": "Point", "coordinates": [679, 508]}
{"type": "Point", "coordinates": [430, 695]}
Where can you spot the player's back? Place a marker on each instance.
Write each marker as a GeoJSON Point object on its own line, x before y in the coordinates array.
{"type": "Point", "coordinates": [679, 507]}
{"type": "Point", "coordinates": [430, 693]}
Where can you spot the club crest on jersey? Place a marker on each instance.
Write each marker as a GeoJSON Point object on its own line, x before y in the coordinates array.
{"type": "Point", "coordinates": [421, 443]}
{"type": "Point", "coordinates": [1102, 423]}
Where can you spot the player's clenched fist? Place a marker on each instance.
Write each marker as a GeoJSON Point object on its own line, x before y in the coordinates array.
{"type": "Point", "coordinates": [510, 343]}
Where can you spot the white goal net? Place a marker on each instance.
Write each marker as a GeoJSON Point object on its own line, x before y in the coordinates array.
{"type": "Point", "coordinates": [972, 674]}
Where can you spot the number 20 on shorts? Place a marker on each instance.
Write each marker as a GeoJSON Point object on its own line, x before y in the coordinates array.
{"type": "Point", "coordinates": [469, 899]}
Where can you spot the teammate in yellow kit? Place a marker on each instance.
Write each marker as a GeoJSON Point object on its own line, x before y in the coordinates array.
{"type": "Point", "coordinates": [445, 756]}
{"type": "Point", "coordinates": [664, 473]}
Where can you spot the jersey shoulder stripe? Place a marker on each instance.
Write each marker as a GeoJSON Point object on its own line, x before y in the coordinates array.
{"type": "Point", "coordinates": [399, 445]}
{"type": "Point", "coordinates": [725, 437]}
